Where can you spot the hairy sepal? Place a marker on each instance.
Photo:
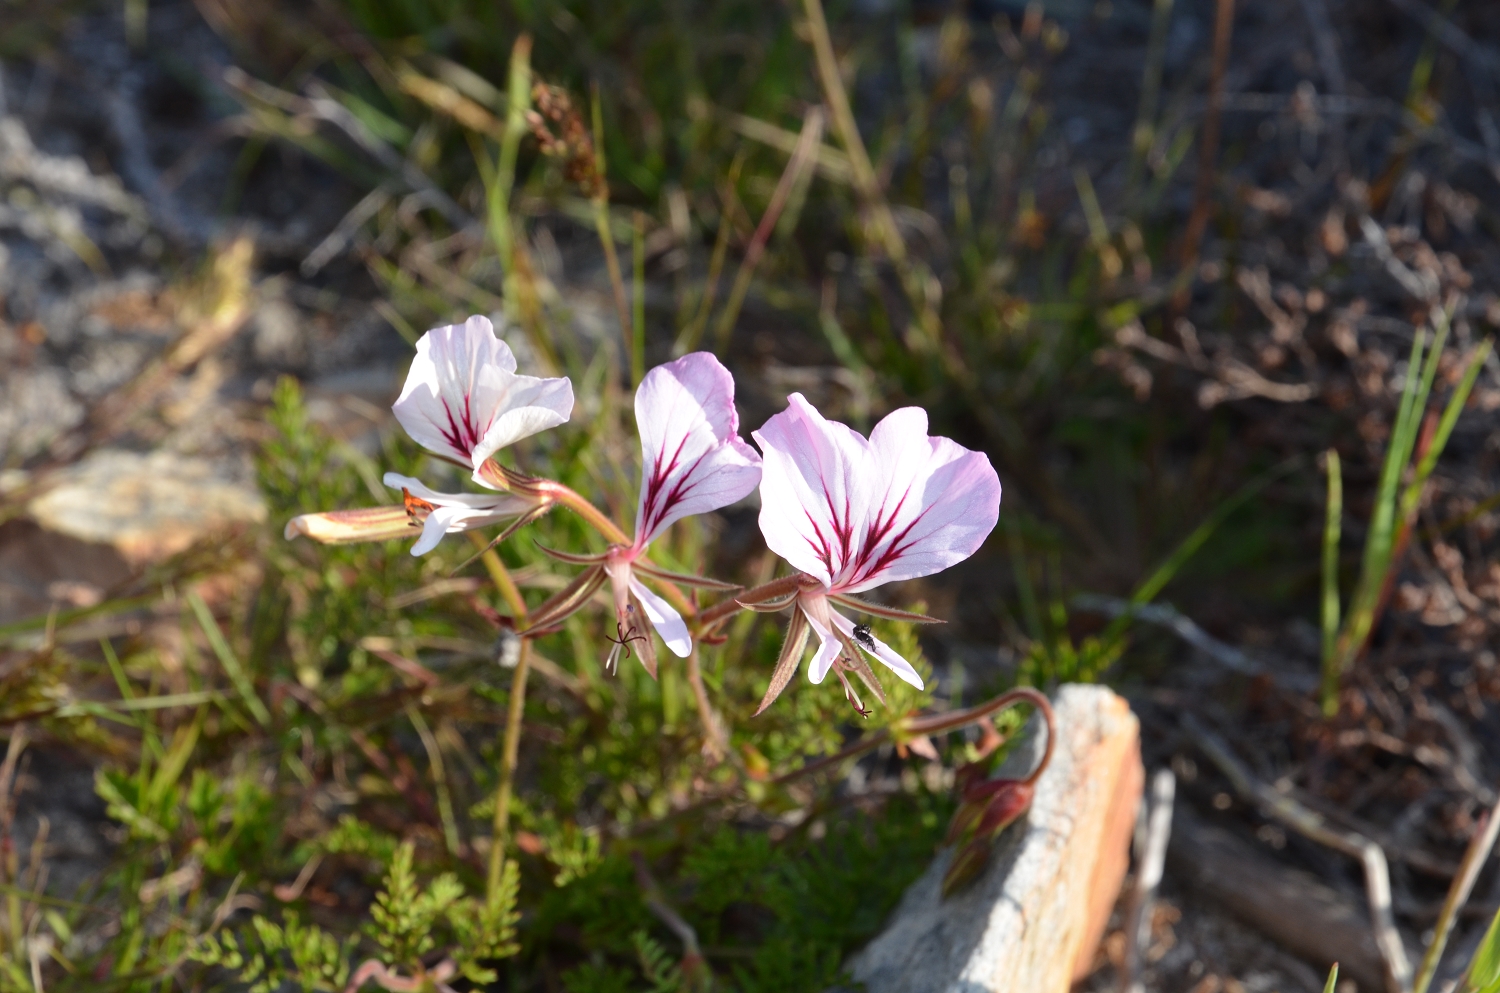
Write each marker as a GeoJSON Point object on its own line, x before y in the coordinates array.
{"type": "Point", "coordinates": [647, 568]}
{"type": "Point", "coordinates": [572, 558]}
{"type": "Point", "coordinates": [786, 665]}
{"type": "Point", "coordinates": [864, 606]}
{"type": "Point", "coordinates": [569, 599]}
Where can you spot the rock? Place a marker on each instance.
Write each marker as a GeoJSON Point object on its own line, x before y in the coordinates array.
{"type": "Point", "coordinates": [146, 506]}
{"type": "Point", "coordinates": [40, 570]}
{"type": "Point", "coordinates": [1033, 919]}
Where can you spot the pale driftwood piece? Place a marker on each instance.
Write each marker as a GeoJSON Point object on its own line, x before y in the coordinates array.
{"type": "Point", "coordinates": [1291, 907]}
{"type": "Point", "coordinates": [1034, 918]}
{"type": "Point", "coordinates": [1151, 859]}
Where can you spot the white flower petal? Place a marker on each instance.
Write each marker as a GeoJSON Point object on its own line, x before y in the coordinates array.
{"type": "Point", "coordinates": [829, 648]}
{"type": "Point", "coordinates": [454, 512]}
{"type": "Point", "coordinates": [668, 623]}
{"type": "Point", "coordinates": [883, 652]}
{"type": "Point", "coordinates": [463, 400]}
{"type": "Point", "coordinates": [859, 513]}
{"type": "Point", "coordinates": [693, 459]}
{"type": "Point", "coordinates": [438, 523]}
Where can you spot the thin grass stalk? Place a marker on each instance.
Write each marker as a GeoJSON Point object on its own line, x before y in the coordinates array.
{"type": "Point", "coordinates": [600, 202]}
{"type": "Point", "coordinates": [1330, 608]}
{"type": "Point", "coordinates": [229, 660]}
{"type": "Point", "coordinates": [803, 157]}
{"type": "Point", "coordinates": [1208, 148]}
{"type": "Point", "coordinates": [1164, 573]}
{"type": "Point", "coordinates": [861, 171]}
{"type": "Point", "coordinates": [9, 867]}
{"type": "Point", "coordinates": [500, 576]}
{"type": "Point", "coordinates": [1475, 857]}
{"type": "Point", "coordinates": [451, 837]}
{"type": "Point", "coordinates": [1413, 495]}
{"type": "Point", "coordinates": [1144, 132]}
{"type": "Point", "coordinates": [687, 339]}
{"type": "Point", "coordinates": [715, 741]}
{"type": "Point", "coordinates": [509, 756]}
{"type": "Point", "coordinates": [498, 207]}
{"type": "Point", "coordinates": [638, 299]}
{"type": "Point", "coordinates": [511, 744]}
{"type": "Point", "coordinates": [915, 278]}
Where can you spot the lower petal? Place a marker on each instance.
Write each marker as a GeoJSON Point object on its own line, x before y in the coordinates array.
{"type": "Point", "coordinates": [828, 650]}
{"type": "Point", "coordinates": [902, 668]}
{"type": "Point", "coordinates": [438, 523]}
{"type": "Point", "coordinates": [668, 622]}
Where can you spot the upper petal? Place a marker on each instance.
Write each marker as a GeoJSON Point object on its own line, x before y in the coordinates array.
{"type": "Point", "coordinates": [858, 513]}
{"type": "Point", "coordinates": [464, 401]}
{"type": "Point", "coordinates": [816, 482]}
{"type": "Point", "coordinates": [693, 460]}
{"type": "Point", "coordinates": [938, 503]}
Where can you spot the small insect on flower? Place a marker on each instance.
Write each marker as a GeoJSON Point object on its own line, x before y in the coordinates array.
{"type": "Point", "coordinates": [625, 634]}
{"type": "Point", "coordinates": [864, 637]}
{"type": "Point", "coordinates": [417, 509]}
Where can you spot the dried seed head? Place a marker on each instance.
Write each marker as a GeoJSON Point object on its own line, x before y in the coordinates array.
{"type": "Point", "coordinates": [561, 134]}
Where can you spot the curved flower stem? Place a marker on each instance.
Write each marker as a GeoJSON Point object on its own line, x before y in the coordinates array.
{"type": "Point", "coordinates": [725, 609]}
{"type": "Point", "coordinates": [930, 724]}
{"type": "Point", "coordinates": [940, 723]}
{"type": "Point", "coordinates": [599, 521]}
{"type": "Point", "coordinates": [570, 498]}
{"type": "Point", "coordinates": [714, 738]}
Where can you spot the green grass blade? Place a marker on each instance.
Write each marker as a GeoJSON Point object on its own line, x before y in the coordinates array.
{"type": "Point", "coordinates": [1333, 979]}
{"type": "Point", "coordinates": [1445, 426]}
{"type": "Point", "coordinates": [1484, 969]}
{"type": "Point", "coordinates": [229, 660]}
{"type": "Point", "coordinates": [1381, 536]}
{"type": "Point", "coordinates": [1165, 572]}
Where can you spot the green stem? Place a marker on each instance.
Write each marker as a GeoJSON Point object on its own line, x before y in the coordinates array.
{"type": "Point", "coordinates": [510, 751]}
{"type": "Point", "coordinates": [638, 299]}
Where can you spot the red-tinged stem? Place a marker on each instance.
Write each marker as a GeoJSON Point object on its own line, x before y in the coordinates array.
{"type": "Point", "coordinates": [931, 724]}
{"type": "Point", "coordinates": [570, 498]}
{"type": "Point", "coordinates": [733, 605]}
{"type": "Point", "coordinates": [938, 723]}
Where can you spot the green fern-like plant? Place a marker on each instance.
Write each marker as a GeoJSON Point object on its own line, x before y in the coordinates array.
{"type": "Point", "coordinates": [486, 929]}
{"type": "Point", "coordinates": [403, 916]}
{"type": "Point", "coordinates": [272, 956]}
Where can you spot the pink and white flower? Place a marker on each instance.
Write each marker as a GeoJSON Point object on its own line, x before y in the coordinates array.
{"type": "Point", "coordinates": [692, 461]}
{"type": "Point", "coordinates": [450, 513]}
{"type": "Point", "coordinates": [464, 401]}
{"type": "Point", "coordinates": [852, 514]}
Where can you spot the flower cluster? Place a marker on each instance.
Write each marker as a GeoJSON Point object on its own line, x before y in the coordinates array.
{"type": "Point", "coordinates": [849, 513]}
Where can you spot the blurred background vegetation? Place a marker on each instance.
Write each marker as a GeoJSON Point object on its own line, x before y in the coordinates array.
{"type": "Point", "coordinates": [1156, 259]}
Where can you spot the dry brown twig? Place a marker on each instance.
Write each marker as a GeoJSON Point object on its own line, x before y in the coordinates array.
{"type": "Point", "coordinates": [1311, 825]}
